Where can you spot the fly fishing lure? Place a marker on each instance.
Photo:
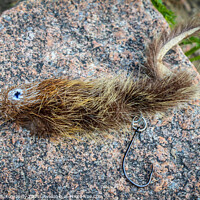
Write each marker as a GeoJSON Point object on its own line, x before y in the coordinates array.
{"type": "Point", "coordinates": [62, 107]}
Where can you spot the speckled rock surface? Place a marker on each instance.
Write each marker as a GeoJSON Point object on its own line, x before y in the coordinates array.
{"type": "Point", "coordinates": [46, 39]}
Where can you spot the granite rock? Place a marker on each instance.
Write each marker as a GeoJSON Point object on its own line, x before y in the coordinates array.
{"type": "Point", "coordinates": [91, 38]}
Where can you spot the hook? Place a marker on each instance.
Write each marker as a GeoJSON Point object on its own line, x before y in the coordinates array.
{"type": "Point", "coordinates": [139, 126]}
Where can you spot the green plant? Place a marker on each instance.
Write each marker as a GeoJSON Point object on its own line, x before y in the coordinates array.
{"type": "Point", "coordinates": [167, 14]}
{"type": "Point", "coordinates": [195, 42]}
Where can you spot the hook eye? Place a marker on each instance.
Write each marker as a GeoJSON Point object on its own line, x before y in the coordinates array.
{"type": "Point", "coordinates": [139, 123]}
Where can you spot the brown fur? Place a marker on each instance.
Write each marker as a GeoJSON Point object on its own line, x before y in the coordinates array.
{"type": "Point", "coordinates": [61, 107]}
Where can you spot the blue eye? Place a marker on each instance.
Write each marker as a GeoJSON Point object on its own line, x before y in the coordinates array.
{"type": "Point", "coordinates": [17, 95]}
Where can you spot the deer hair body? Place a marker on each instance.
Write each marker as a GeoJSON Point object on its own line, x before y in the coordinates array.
{"type": "Point", "coordinates": [62, 107]}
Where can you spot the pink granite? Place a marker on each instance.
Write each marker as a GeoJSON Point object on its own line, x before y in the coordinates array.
{"type": "Point", "coordinates": [42, 39]}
